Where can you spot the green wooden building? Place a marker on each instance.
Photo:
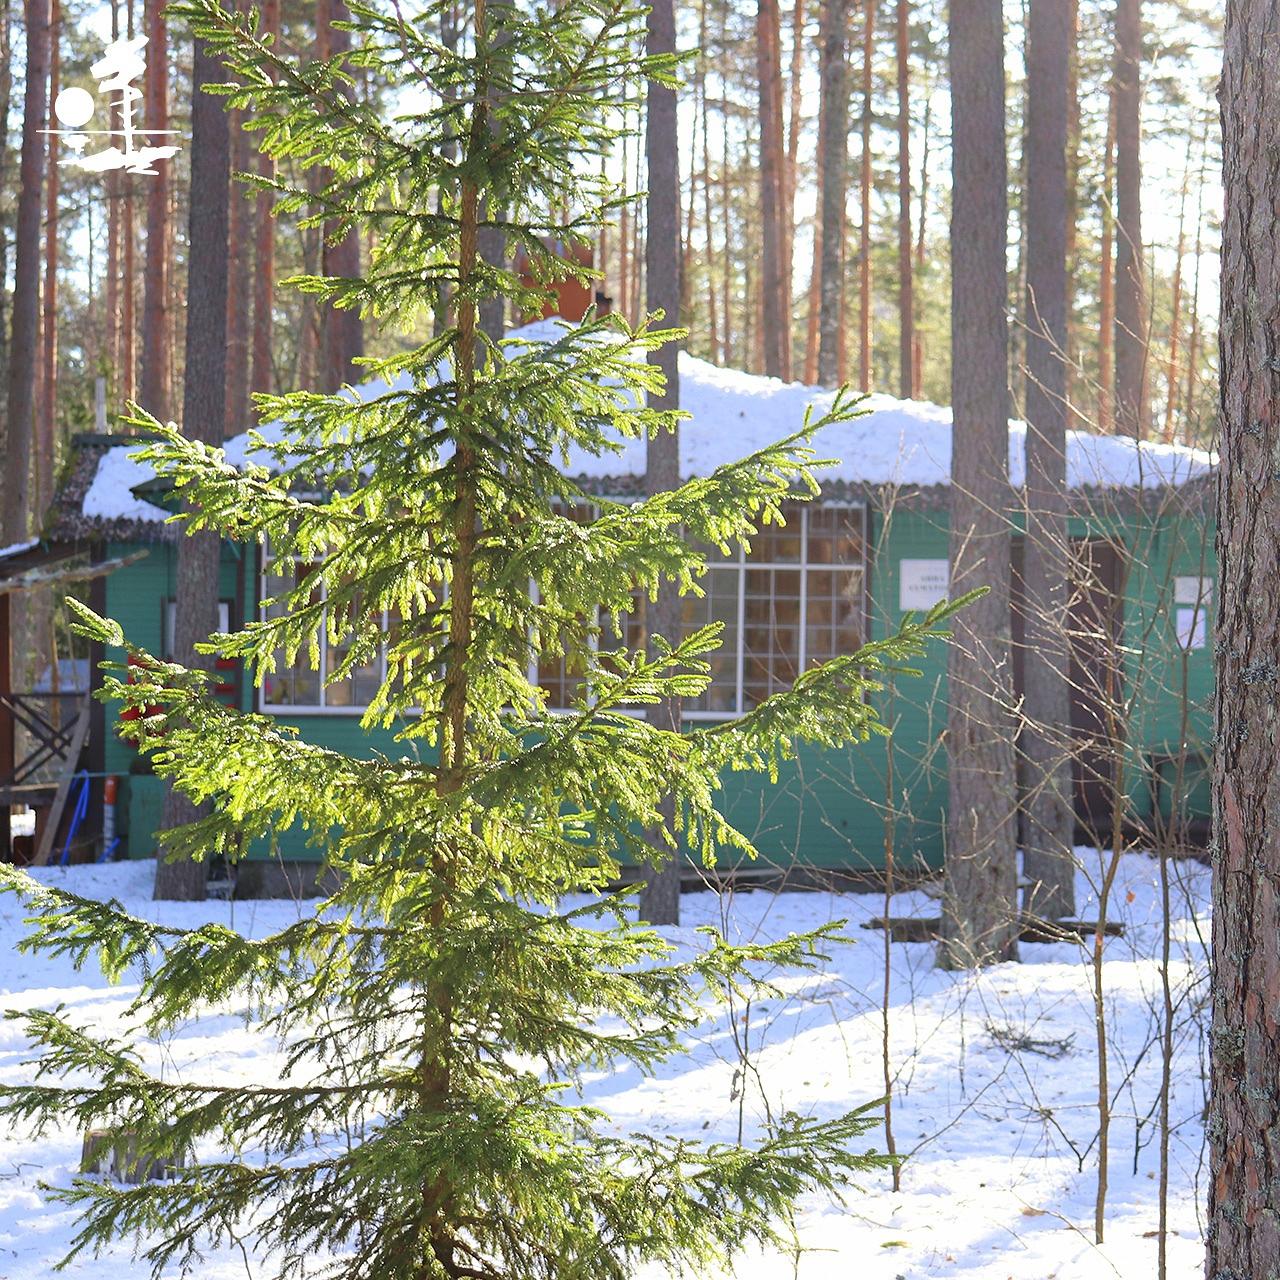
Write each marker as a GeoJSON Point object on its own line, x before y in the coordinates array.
{"type": "Point", "coordinates": [845, 567]}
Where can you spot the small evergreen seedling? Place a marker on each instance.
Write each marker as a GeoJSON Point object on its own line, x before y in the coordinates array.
{"type": "Point", "coordinates": [436, 1011]}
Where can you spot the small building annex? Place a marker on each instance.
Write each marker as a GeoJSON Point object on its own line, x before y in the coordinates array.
{"type": "Point", "coordinates": [845, 567]}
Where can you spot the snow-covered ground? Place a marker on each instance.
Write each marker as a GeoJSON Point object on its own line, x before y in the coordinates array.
{"type": "Point", "coordinates": [1002, 1144]}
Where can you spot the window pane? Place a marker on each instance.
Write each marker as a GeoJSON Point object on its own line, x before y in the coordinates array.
{"type": "Point", "coordinates": [720, 604]}
{"type": "Point", "coordinates": [297, 685]}
{"type": "Point", "coordinates": [833, 615]}
{"type": "Point", "coordinates": [835, 535]}
{"type": "Point", "coordinates": [779, 544]}
{"type": "Point", "coordinates": [357, 688]}
{"type": "Point", "coordinates": [771, 633]}
{"type": "Point", "coordinates": [560, 676]}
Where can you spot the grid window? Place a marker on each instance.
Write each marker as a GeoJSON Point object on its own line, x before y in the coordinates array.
{"type": "Point", "coordinates": [796, 600]}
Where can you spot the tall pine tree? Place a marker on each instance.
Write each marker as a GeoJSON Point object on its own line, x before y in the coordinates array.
{"type": "Point", "coordinates": [438, 1008]}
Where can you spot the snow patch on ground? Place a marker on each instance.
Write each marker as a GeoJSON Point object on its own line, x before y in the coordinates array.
{"type": "Point", "coordinates": [1002, 1144]}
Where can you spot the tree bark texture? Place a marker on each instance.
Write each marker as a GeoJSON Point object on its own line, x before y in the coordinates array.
{"type": "Point", "coordinates": [1048, 862]}
{"type": "Point", "coordinates": [239, 269]}
{"type": "Point", "coordinates": [128, 344]}
{"type": "Point", "coordinates": [157, 280]}
{"type": "Point", "coordinates": [1073, 201]}
{"type": "Point", "coordinates": [917, 353]}
{"type": "Point", "coordinates": [1131, 320]}
{"type": "Point", "coordinates": [813, 297]}
{"type": "Point", "coordinates": [1175, 310]}
{"type": "Point", "coordinates": [48, 399]}
{"type": "Point", "coordinates": [978, 906]}
{"type": "Point", "coordinates": [343, 330]}
{"type": "Point", "coordinates": [776, 319]}
{"type": "Point", "coordinates": [865, 354]}
{"type": "Point", "coordinates": [6, 99]}
{"type": "Point", "coordinates": [906, 292]}
{"type": "Point", "coordinates": [660, 899]}
{"type": "Point", "coordinates": [795, 126]}
{"type": "Point", "coordinates": [21, 391]}
{"type": "Point", "coordinates": [113, 187]}
{"type": "Point", "coordinates": [203, 412]}
{"type": "Point", "coordinates": [1244, 1115]}
{"type": "Point", "coordinates": [833, 131]}
{"type": "Point", "coordinates": [1189, 418]}
{"type": "Point", "coordinates": [1107, 279]}
{"type": "Point", "coordinates": [128, 292]}
{"type": "Point", "coordinates": [264, 251]}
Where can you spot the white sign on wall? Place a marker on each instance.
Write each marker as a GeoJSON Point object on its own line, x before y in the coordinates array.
{"type": "Point", "coordinates": [922, 583]}
{"type": "Point", "coordinates": [1190, 625]}
{"type": "Point", "coordinates": [1192, 590]}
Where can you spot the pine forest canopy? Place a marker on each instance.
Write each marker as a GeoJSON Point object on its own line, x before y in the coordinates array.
{"type": "Point", "coordinates": [436, 1010]}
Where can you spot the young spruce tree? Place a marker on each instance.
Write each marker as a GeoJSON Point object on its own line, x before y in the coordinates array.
{"type": "Point", "coordinates": [437, 1008]}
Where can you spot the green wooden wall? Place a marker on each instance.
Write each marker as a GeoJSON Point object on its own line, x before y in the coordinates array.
{"type": "Point", "coordinates": [830, 809]}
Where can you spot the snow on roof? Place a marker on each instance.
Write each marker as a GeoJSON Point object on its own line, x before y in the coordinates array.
{"type": "Point", "coordinates": [894, 442]}
{"type": "Point", "coordinates": [17, 548]}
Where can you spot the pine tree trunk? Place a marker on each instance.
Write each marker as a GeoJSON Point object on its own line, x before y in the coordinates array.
{"type": "Point", "coordinates": [624, 237]}
{"type": "Point", "coordinates": [156, 281]}
{"type": "Point", "coordinates": [1107, 281]}
{"type": "Point", "coordinates": [794, 127]}
{"type": "Point", "coordinates": [21, 391]}
{"type": "Point", "coordinates": [1244, 1108]}
{"type": "Point", "coordinates": [717, 354]}
{"type": "Point", "coordinates": [906, 298]}
{"type": "Point", "coordinates": [726, 250]}
{"type": "Point", "coordinates": [264, 251]}
{"type": "Point", "coordinates": [833, 131]}
{"type": "Point", "coordinates": [128, 283]}
{"type": "Point", "coordinates": [1175, 310]}
{"type": "Point", "coordinates": [1048, 864]}
{"type": "Point", "coordinates": [112, 292]}
{"type": "Point", "coordinates": [637, 222]}
{"type": "Point", "coordinates": [1130, 323]}
{"type": "Point", "coordinates": [604, 257]}
{"type": "Point", "coordinates": [203, 413]}
{"type": "Point", "coordinates": [814, 294]}
{"type": "Point", "coordinates": [239, 270]}
{"type": "Point", "coordinates": [776, 317]}
{"type": "Point", "coordinates": [690, 207]}
{"type": "Point", "coordinates": [343, 330]}
{"type": "Point", "coordinates": [979, 902]}
{"type": "Point", "coordinates": [917, 352]}
{"type": "Point", "coordinates": [660, 898]}
{"type": "Point", "coordinates": [128, 293]}
{"type": "Point", "coordinates": [48, 400]}
{"type": "Point", "coordinates": [6, 101]}
{"type": "Point", "coordinates": [1073, 204]}
{"type": "Point", "coordinates": [842, 325]}
{"type": "Point", "coordinates": [865, 354]}
{"type": "Point", "coordinates": [1193, 339]}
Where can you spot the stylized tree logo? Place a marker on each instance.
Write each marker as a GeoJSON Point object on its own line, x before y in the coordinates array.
{"type": "Point", "coordinates": [121, 64]}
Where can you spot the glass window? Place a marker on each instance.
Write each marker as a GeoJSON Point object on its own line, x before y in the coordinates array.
{"type": "Point", "coordinates": [796, 599]}
{"type": "Point", "coordinates": [300, 684]}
